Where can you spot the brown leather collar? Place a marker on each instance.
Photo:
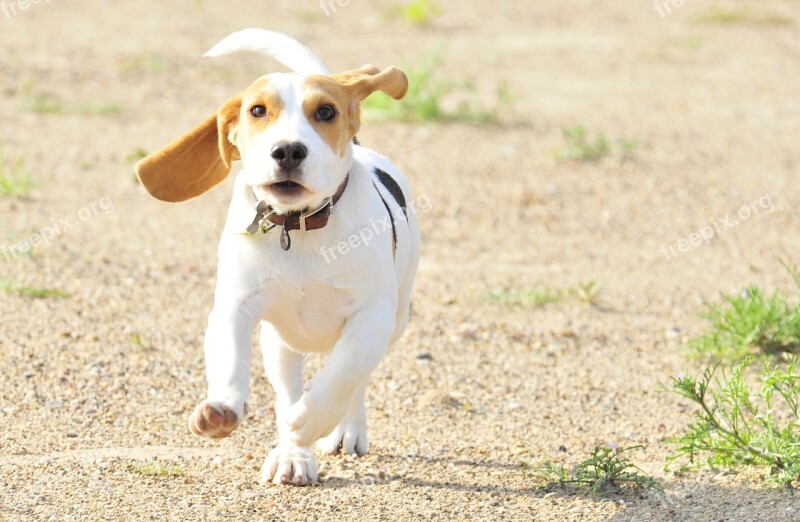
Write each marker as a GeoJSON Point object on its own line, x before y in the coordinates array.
{"type": "Point", "coordinates": [267, 218]}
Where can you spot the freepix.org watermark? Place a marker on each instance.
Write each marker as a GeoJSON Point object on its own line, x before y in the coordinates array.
{"type": "Point", "coordinates": [329, 6]}
{"type": "Point", "coordinates": [12, 8]}
{"type": "Point", "coordinates": [57, 227]}
{"type": "Point", "coordinates": [374, 229]}
{"type": "Point", "coordinates": [717, 227]}
{"type": "Point", "coordinates": [664, 7]}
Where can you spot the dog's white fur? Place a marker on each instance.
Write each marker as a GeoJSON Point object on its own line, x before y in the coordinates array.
{"type": "Point", "coordinates": [352, 307]}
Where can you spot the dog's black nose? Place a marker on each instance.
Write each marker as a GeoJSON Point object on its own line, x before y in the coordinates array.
{"type": "Point", "coordinates": [289, 155]}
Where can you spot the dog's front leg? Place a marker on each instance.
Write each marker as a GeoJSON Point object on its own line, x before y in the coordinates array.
{"type": "Point", "coordinates": [328, 396]}
{"type": "Point", "coordinates": [227, 352]}
{"type": "Point", "coordinates": [287, 463]}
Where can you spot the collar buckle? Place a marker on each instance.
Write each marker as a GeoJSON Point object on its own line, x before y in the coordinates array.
{"type": "Point", "coordinates": [326, 205]}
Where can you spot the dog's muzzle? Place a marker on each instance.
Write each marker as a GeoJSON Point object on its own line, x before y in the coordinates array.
{"type": "Point", "coordinates": [267, 218]}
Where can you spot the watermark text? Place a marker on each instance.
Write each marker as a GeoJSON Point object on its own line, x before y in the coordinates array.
{"type": "Point", "coordinates": [373, 230]}
{"type": "Point", "coordinates": [717, 227]}
{"type": "Point", "coordinates": [57, 227]}
{"type": "Point", "coordinates": [12, 8]}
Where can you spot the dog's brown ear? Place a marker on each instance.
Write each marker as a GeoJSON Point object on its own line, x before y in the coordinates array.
{"type": "Point", "coordinates": [360, 83]}
{"type": "Point", "coordinates": [195, 162]}
{"type": "Point", "coordinates": [368, 79]}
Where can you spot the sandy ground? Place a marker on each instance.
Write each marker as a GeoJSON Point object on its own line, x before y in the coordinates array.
{"type": "Point", "coordinates": [98, 386]}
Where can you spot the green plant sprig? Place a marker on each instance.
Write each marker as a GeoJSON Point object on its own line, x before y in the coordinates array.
{"type": "Point", "coordinates": [607, 469]}
{"type": "Point", "coordinates": [15, 181]}
{"type": "Point", "coordinates": [538, 295]}
{"type": "Point", "coordinates": [751, 323]}
{"type": "Point", "coordinates": [736, 427]}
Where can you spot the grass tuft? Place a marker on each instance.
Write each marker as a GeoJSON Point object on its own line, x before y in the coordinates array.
{"type": "Point", "coordinates": [96, 109]}
{"type": "Point", "coordinates": [157, 469]}
{"type": "Point", "coordinates": [51, 104]}
{"type": "Point", "coordinates": [27, 291]}
{"type": "Point", "coordinates": [538, 295]}
{"type": "Point", "coordinates": [735, 426]}
{"type": "Point", "coordinates": [134, 156]}
{"type": "Point", "coordinates": [45, 104]}
{"type": "Point", "coordinates": [581, 147]}
{"type": "Point", "coordinates": [751, 322]}
{"type": "Point", "coordinates": [530, 297]}
{"type": "Point", "coordinates": [720, 16]}
{"type": "Point", "coordinates": [417, 12]}
{"type": "Point", "coordinates": [606, 471]}
{"type": "Point", "coordinates": [147, 63]}
{"type": "Point", "coordinates": [14, 178]}
{"type": "Point", "coordinates": [137, 340]}
{"type": "Point", "coordinates": [586, 292]}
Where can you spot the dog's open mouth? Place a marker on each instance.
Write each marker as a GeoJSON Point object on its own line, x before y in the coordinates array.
{"type": "Point", "coordinates": [285, 189]}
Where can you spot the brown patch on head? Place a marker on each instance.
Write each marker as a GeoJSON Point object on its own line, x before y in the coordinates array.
{"type": "Point", "coordinates": [343, 93]}
{"type": "Point", "coordinates": [200, 159]}
{"type": "Point", "coordinates": [321, 91]}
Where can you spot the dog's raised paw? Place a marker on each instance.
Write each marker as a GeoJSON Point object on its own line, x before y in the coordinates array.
{"type": "Point", "coordinates": [213, 421]}
{"type": "Point", "coordinates": [290, 465]}
{"type": "Point", "coordinates": [348, 438]}
{"type": "Point", "coordinates": [313, 417]}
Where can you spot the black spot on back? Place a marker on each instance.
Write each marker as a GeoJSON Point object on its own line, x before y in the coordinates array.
{"type": "Point", "coordinates": [393, 188]}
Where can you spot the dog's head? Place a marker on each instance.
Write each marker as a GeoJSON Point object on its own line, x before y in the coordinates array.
{"type": "Point", "coordinates": [291, 131]}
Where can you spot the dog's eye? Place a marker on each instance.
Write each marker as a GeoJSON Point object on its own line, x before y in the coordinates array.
{"type": "Point", "coordinates": [326, 113]}
{"type": "Point", "coordinates": [258, 111]}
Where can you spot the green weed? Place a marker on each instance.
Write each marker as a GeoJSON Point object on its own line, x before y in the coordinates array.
{"type": "Point", "coordinates": [51, 104]}
{"type": "Point", "coordinates": [417, 12]}
{"type": "Point", "coordinates": [157, 469]}
{"type": "Point", "coordinates": [45, 104]}
{"type": "Point", "coordinates": [586, 292]}
{"type": "Point", "coordinates": [96, 109]}
{"type": "Point", "coordinates": [14, 178]}
{"type": "Point", "coordinates": [735, 426]}
{"type": "Point", "coordinates": [147, 63]}
{"type": "Point", "coordinates": [591, 149]}
{"type": "Point", "coordinates": [607, 470]}
{"type": "Point", "coordinates": [531, 297]}
{"type": "Point", "coordinates": [720, 16]}
{"type": "Point", "coordinates": [134, 156]}
{"type": "Point", "coordinates": [751, 322]}
{"type": "Point", "coordinates": [538, 295]}
{"type": "Point", "coordinates": [27, 291]}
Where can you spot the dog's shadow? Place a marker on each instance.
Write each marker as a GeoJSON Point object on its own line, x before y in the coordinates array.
{"type": "Point", "coordinates": [458, 475]}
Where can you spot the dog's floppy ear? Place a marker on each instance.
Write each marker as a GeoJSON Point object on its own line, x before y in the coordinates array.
{"type": "Point", "coordinates": [368, 79]}
{"type": "Point", "coordinates": [195, 162]}
{"type": "Point", "coordinates": [360, 83]}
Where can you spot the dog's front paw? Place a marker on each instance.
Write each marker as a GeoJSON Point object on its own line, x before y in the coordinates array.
{"type": "Point", "coordinates": [213, 421]}
{"type": "Point", "coordinates": [313, 417]}
{"type": "Point", "coordinates": [290, 465]}
{"type": "Point", "coordinates": [349, 437]}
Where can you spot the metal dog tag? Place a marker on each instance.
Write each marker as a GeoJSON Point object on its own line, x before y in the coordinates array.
{"type": "Point", "coordinates": [286, 241]}
{"type": "Point", "coordinates": [261, 208]}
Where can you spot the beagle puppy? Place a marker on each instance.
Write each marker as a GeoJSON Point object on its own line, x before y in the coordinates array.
{"type": "Point", "coordinates": [320, 248]}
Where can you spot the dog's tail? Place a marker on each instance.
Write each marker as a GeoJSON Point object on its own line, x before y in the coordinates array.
{"type": "Point", "coordinates": [282, 48]}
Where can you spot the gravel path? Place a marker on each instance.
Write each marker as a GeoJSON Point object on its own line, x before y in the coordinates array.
{"type": "Point", "coordinates": [96, 387]}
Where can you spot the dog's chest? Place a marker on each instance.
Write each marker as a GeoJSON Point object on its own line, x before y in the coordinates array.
{"type": "Point", "coordinates": [310, 317]}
